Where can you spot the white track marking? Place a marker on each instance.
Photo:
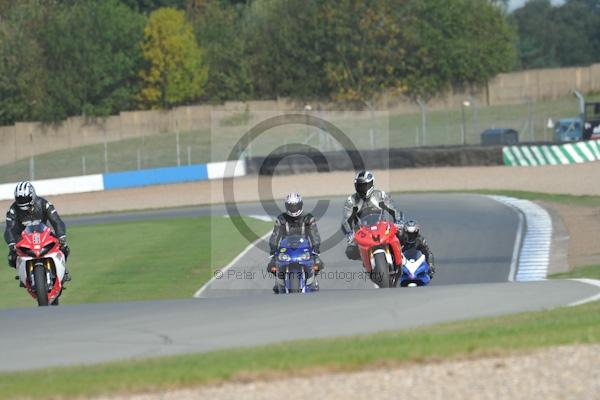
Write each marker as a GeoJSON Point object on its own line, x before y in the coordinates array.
{"type": "Point", "coordinates": [237, 258]}
{"type": "Point", "coordinates": [515, 255]}
{"type": "Point", "coordinates": [265, 218]}
{"type": "Point", "coordinates": [531, 264]}
{"type": "Point", "coordinates": [593, 282]}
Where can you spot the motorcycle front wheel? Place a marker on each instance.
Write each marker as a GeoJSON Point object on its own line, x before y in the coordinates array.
{"type": "Point", "coordinates": [381, 271]}
{"type": "Point", "coordinates": [294, 281]}
{"type": "Point", "coordinates": [41, 287]}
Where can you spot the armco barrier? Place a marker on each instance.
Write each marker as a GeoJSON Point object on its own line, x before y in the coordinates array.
{"type": "Point", "coordinates": [130, 179]}
{"type": "Point", "coordinates": [47, 187]}
{"type": "Point", "coordinates": [155, 176]}
{"type": "Point", "coordinates": [562, 154]}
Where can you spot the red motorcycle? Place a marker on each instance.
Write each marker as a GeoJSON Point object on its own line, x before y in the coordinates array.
{"type": "Point", "coordinates": [41, 264]}
{"type": "Point", "coordinates": [379, 247]}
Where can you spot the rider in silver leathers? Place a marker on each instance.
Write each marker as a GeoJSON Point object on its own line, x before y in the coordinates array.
{"type": "Point", "coordinates": [366, 197]}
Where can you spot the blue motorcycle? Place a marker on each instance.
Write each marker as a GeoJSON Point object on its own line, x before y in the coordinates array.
{"type": "Point", "coordinates": [294, 263]}
{"type": "Point", "coordinates": [415, 269]}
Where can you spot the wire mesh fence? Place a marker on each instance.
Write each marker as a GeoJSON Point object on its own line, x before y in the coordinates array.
{"type": "Point", "coordinates": [214, 140]}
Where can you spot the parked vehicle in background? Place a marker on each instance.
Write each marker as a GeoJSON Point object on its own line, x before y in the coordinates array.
{"type": "Point", "coordinates": [499, 136]}
{"type": "Point", "coordinates": [591, 121]}
{"type": "Point", "coordinates": [568, 130]}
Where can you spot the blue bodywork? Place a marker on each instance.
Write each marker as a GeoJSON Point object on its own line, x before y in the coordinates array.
{"type": "Point", "coordinates": [568, 130]}
{"type": "Point", "coordinates": [421, 275]}
{"type": "Point", "coordinates": [294, 260]}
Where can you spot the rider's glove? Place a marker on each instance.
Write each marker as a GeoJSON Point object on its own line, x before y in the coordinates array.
{"type": "Point", "coordinates": [12, 256]}
{"type": "Point", "coordinates": [400, 225]}
{"type": "Point", "coordinates": [350, 238]}
{"type": "Point", "coordinates": [64, 246]}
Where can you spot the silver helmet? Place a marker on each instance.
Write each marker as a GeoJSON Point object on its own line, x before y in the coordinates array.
{"type": "Point", "coordinates": [364, 184]}
{"type": "Point", "coordinates": [24, 195]}
{"type": "Point", "coordinates": [293, 205]}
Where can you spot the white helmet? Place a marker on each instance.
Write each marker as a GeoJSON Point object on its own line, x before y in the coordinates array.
{"type": "Point", "coordinates": [293, 205]}
{"type": "Point", "coordinates": [24, 195]}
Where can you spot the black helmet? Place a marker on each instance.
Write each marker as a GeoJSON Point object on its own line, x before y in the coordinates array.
{"type": "Point", "coordinates": [363, 183]}
{"type": "Point", "coordinates": [412, 229]}
{"type": "Point", "coordinates": [293, 205]}
{"type": "Point", "coordinates": [24, 195]}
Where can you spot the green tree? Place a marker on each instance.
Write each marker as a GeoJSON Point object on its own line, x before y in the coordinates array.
{"type": "Point", "coordinates": [350, 50]}
{"type": "Point", "coordinates": [22, 73]}
{"type": "Point", "coordinates": [218, 32]}
{"type": "Point", "coordinates": [537, 35]}
{"type": "Point", "coordinates": [456, 44]}
{"type": "Point", "coordinates": [285, 46]}
{"type": "Point", "coordinates": [147, 6]}
{"type": "Point", "coordinates": [368, 48]}
{"type": "Point", "coordinates": [175, 72]}
{"type": "Point", "coordinates": [562, 36]}
{"type": "Point", "coordinates": [92, 58]}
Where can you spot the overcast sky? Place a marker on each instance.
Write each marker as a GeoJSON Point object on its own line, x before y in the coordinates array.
{"type": "Point", "coordinates": [519, 3]}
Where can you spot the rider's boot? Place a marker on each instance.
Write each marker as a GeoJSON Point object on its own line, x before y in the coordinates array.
{"type": "Point", "coordinates": [67, 276]}
{"type": "Point", "coordinates": [431, 271]}
{"type": "Point", "coordinates": [315, 286]}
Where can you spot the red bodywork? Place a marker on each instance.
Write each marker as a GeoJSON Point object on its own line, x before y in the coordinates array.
{"type": "Point", "coordinates": [380, 235]}
{"type": "Point", "coordinates": [35, 242]}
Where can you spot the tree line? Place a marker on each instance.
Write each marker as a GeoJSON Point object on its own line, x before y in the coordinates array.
{"type": "Point", "coordinates": [60, 58]}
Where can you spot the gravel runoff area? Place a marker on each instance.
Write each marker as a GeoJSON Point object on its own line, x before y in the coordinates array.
{"type": "Point", "coordinates": [568, 372]}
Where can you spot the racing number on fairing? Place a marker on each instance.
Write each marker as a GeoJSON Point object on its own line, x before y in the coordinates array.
{"type": "Point", "coordinates": [36, 238]}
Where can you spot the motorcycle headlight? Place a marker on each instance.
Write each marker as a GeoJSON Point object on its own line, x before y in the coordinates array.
{"type": "Point", "coordinates": [46, 248]}
{"type": "Point", "coordinates": [283, 257]}
{"type": "Point", "coordinates": [27, 252]}
{"type": "Point", "coordinates": [304, 257]}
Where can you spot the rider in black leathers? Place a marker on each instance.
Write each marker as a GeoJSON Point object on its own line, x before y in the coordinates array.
{"type": "Point", "coordinates": [294, 222]}
{"type": "Point", "coordinates": [411, 238]}
{"type": "Point", "coordinates": [28, 209]}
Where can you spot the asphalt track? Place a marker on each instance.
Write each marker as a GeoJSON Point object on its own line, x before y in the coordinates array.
{"type": "Point", "coordinates": [473, 238]}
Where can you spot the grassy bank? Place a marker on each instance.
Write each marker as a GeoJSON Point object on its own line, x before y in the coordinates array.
{"type": "Point", "coordinates": [489, 336]}
{"type": "Point", "coordinates": [156, 259]}
{"type": "Point", "coordinates": [590, 272]}
{"type": "Point", "coordinates": [568, 199]}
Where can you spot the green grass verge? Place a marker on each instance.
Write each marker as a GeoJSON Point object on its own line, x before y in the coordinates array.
{"type": "Point", "coordinates": [489, 336]}
{"type": "Point", "coordinates": [568, 199]}
{"type": "Point", "coordinates": [590, 272]}
{"type": "Point", "coordinates": [156, 259]}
